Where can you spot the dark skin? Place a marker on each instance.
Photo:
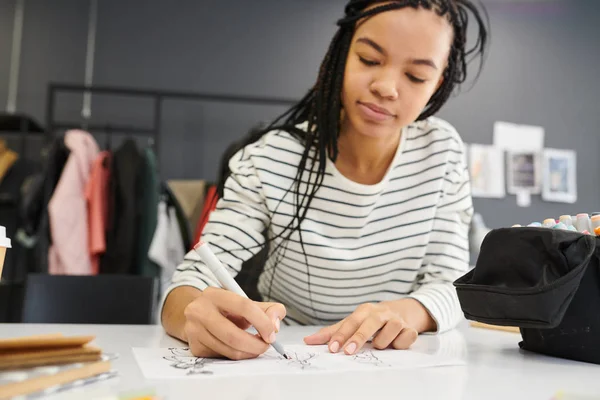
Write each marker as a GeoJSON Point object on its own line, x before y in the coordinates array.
{"type": "Point", "coordinates": [387, 84]}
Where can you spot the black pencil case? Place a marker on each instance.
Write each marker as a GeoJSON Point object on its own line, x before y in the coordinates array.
{"type": "Point", "coordinates": [544, 281]}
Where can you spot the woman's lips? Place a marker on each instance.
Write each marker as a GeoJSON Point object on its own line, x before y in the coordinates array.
{"type": "Point", "coordinates": [375, 112]}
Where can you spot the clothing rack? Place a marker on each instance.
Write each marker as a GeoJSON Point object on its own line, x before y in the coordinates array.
{"type": "Point", "coordinates": [22, 126]}
{"type": "Point", "coordinates": [158, 96]}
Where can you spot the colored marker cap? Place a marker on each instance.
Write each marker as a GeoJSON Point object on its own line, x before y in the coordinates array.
{"type": "Point", "coordinates": [549, 222]}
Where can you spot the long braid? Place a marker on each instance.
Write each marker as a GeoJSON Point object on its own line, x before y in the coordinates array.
{"type": "Point", "coordinates": [321, 107]}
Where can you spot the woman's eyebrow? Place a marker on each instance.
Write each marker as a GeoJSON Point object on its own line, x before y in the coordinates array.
{"type": "Point", "coordinates": [424, 61]}
{"type": "Point", "coordinates": [371, 43]}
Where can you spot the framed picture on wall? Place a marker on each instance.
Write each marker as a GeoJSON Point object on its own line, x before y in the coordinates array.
{"type": "Point", "coordinates": [524, 172]}
{"type": "Point", "coordinates": [486, 166]}
{"type": "Point", "coordinates": [560, 176]}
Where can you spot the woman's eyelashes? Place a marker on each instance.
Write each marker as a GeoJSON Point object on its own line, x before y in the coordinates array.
{"type": "Point", "coordinates": [367, 62]}
{"type": "Point", "coordinates": [372, 63]}
{"type": "Point", "coordinates": [414, 79]}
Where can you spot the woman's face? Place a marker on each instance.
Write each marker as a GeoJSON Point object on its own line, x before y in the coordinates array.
{"type": "Point", "coordinates": [395, 64]}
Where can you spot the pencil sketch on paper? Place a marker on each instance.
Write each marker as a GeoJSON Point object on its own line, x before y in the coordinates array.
{"type": "Point", "coordinates": [369, 357]}
{"type": "Point", "coordinates": [300, 360]}
{"type": "Point", "coordinates": [173, 363]}
{"type": "Point", "coordinates": [182, 359]}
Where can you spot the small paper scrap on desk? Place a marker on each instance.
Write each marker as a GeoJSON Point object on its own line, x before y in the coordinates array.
{"type": "Point", "coordinates": [170, 363]}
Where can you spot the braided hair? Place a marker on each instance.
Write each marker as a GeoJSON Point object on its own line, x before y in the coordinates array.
{"type": "Point", "coordinates": [320, 108]}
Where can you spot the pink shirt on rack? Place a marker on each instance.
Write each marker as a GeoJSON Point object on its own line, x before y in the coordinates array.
{"type": "Point", "coordinates": [67, 209]}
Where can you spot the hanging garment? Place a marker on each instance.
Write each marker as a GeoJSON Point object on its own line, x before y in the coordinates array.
{"type": "Point", "coordinates": [184, 227]}
{"type": "Point", "coordinates": [167, 248]}
{"type": "Point", "coordinates": [96, 194]}
{"type": "Point", "coordinates": [210, 204]}
{"type": "Point", "coordinates": [7, 159]}
{"type": "Point", "coordinates": [10, 198]}
{"type": "Point", "coordinates": [148, 219]}
{"type": "Point", "coordinates": [124, 212]}
{"type": "Point", "coordinates": [190, 194]}
{"type": "Point", "coordinates": [69, 254]}
{"type": "Point", "coordinates": [15, 264]}
{"type": "Point", "coordinates": [35, 232]}
{"type": "Point", "coordinates": [175, 245]}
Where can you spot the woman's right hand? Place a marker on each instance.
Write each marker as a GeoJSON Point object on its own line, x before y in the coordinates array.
{"type": "Point", "coordinates": [216, 323]}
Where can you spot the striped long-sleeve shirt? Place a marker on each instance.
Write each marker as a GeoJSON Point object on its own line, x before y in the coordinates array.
{"type": "Point", "coordinates": [406, 236]}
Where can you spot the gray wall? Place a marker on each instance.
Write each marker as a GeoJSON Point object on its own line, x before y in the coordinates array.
{"type": "Point", "coordinates": [542, 69]}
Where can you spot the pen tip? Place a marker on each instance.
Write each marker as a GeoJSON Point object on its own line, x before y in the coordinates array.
{"type": "Point", "coordinates": [286, 356]}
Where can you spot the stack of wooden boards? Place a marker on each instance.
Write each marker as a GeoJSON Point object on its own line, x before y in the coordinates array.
{"type": "Point", "coordinates": [27, 353]}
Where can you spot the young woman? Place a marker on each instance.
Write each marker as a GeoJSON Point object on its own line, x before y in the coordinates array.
{"type": "Point", "coordinates": [360, 194]}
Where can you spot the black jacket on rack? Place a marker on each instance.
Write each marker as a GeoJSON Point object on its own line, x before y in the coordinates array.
{"type": "Point", "coordinates": [34, 205]}
{"type": "Point", "coordinates": [15, 264]}
{"type": "Point", "coordinates": [123, 216]}
{"type": "Point", "coordinates": [10, 198]}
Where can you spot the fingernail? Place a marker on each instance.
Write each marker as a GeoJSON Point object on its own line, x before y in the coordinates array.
{"type": "Point", "coordinates": [351, 348]}
{"type": "Point", "coordinates": [272, 338]}
{"type": "Point", "coordinates": [277, 325]}
{"type": "Point", "coordinates": [334, 347]}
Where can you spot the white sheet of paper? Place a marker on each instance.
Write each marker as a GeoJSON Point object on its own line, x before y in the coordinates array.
{"type": "Point", "coordinates": [519, 138]}
{"type": "Point", "coordinates": [172, 363]}
{"type": "Point", "coordinates": [523, 199]}
{"type": "Point", "coordinates": [486, 165]}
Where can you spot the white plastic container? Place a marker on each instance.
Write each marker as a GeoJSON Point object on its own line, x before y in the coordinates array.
{"type": "Point", "coordinates": [4, 244]}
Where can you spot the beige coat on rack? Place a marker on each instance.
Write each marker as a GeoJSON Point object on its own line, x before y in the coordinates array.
{"type": "Point", "coordinates": [190, 195]}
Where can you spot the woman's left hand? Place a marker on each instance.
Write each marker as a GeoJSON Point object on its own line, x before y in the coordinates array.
{"type": "Point", "coordinates": [379, 320]}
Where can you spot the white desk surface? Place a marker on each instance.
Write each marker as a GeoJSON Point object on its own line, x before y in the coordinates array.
{"type": "Point", "coordinates": [495, 369]}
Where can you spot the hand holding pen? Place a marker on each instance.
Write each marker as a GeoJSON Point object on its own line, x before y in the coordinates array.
{"type": "Point", "coordinates": [217, 320]}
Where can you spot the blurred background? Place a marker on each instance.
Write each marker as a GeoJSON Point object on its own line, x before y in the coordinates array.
{"type": "Point", "coordinates": [541, 70]}
{"type": "Point", "coordinates": [190, 77]}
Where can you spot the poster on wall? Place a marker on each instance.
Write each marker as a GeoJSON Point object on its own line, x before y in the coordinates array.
{"type": "Point", "coordinates": [524, 172]}
{"type": "Point", "coordinates": [486, 166]}
{"type": "Point", "coordinates": [518, 137]}
{"type": "Point", "coordinates": [560, 176]}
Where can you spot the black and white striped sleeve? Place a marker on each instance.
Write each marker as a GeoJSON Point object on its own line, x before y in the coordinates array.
{"type": "Point", "coordinates": [447, 255]}
{"type": "Point", "coordinates": [235, 228]}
